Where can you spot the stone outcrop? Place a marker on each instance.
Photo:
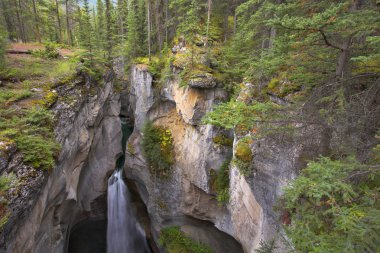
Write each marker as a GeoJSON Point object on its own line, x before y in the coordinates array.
{"type": "Point", "coordinates": [249, 215]}
{"type": "Point", "coordinates": [90, 132]}
{"type": "Point", "coordinates": [186, 193]}
{"type": "Point", "coordinates": [203, 81]}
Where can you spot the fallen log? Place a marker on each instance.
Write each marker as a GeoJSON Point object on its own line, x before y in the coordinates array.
{"type": "Point", "coordinates": [13, 51]}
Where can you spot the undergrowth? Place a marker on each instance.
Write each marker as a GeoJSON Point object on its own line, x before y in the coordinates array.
{"type": "Point", "coordinates": [157, 144]}
{"type": "Point", "coordinates": [175, 241]}
{"type": "Point", "coordinates": [222, 183]}
{"type": "Point", "coordinates": [32, 131]}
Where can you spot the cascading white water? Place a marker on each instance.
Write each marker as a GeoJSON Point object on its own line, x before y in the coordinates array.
{"type": "Point", "coordinates": [124, 234]}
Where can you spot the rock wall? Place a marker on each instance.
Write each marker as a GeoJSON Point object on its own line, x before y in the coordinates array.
{"type": "Point", "coordinates": [89, 130]}
{"type": "Point", "coordinates": [249, 215]}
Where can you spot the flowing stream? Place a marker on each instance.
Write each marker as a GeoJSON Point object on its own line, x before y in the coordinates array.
{"type": "Point", "coordinates": [124, 234]}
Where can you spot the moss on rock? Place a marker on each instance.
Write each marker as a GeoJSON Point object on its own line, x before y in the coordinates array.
{"type": "Point", "coordinates": [223, 140]}
{"type": "Point", "coordinates": [243, 152]}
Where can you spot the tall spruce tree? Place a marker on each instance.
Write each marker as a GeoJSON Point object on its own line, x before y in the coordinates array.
{"type": "Point", "coordinates": [101, 25]}
{"type": "Point", "coordinates": [87, 32]}
{"type": "Point", "coordinates": [132, 36]}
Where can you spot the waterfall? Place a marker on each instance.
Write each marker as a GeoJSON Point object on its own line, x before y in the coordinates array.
{"type": "Point", "coordinates": [124, 234]}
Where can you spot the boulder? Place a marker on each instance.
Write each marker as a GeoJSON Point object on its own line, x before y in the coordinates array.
{"type": "Point", "coordinates": [203, 81]}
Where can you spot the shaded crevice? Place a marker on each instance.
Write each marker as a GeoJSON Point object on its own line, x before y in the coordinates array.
{"type": "Point", "coordinates": [205, 232]}
{"type": "Point", "coordinates": [89, 236]}
{"type": "Point", "coordinates": [143, 218]}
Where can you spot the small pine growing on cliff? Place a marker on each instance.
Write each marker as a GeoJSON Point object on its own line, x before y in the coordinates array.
{"type": "Point", "coordinates": [157, 144]}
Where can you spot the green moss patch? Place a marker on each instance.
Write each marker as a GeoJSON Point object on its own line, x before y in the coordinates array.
{"type": "Point", "coordinates": [223, 140]}
{"type": "Point", "coordinates": [222, 183]}
{"type": "Point", "coordinates": [243, 152]}
{"type": "Point", "coordinates": [175, 241]}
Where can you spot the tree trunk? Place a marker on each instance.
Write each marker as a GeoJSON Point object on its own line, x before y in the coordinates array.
{"type": "Point", "coordinates": [7, 18]}
{"type": "Point", "coordinates": [344, 56]}
{"type": "Point", "coordinates": [38, 35]}
{"type": "Point", "coordinates": [149, 30]}
{"type": "Point", "coordinates": [158, 25]}
{"type": "Point", "coordinates": [225, 22]}
{"type": "Point", "coordinates": [272, 36]}
{"type": "Point", "coordinates": [68, 28]}
{"type": "Point", "coordinates": [58, 20]}
{"type": "Point", "coordinates": [167, 21]}
{"type": "Point", "coordinates": [235, 21]}
{"type": "Point", "coordinates": [208, 22]}
{"type": "Point", "coordinates": [20, 21]}
{"type": "Point", "coordinates": [109, 32]}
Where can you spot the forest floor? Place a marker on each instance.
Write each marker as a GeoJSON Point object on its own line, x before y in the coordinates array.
{"type": "Point", "coordinates": [28, 80]}
{"type": "Point", "coordinates": [25, 47]}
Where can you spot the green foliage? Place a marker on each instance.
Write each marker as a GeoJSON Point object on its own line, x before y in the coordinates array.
{"type": "Point", "coordinates": [34, 68]}
{"type": "Point", "coordinates": [222, 183]}
{"type": "Point", "coordinates": [266, 247]}
{"type": "Point", "coordinates": [38, 151]}
{"type": "Point", "coordinates": [32, 131]}
{"type": "Point", "coordinates": [235, 113]}
{"type": "Point", "coordinates": [3, 44]}
{"type": "Point", "coordinates": [131, 149]}
{"type": "Point", "coordinates": [245, 168]}
{"type": "Point", "coordinates": [223, 140]}
{"type": "Point", "coordinates": [4, 219]}
{"type": "Point", "coordinates": [11, 96]}
{"type": "Point", "coordinates": [157, 144]}
{"type": "Point", "coordinates": [334, 207]}
{"type": "Point", "coordinates": [158, 66]}
{"type": "Point", "coordinates": [175, 241]}
{"type": "Point", "coordinates": [7, 181]}
{"type": "Point", "coordinates": [50, 51]}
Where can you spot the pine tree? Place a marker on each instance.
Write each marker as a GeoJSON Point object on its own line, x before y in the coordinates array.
{"type": "Point", "coordinates": [132, 37]}
{"type": "Point", "coordinates": [3, 40]}
{"type": "Point", "coordinates": [142, 27]}
{"type": "Point", "coordinates": [87, 31]}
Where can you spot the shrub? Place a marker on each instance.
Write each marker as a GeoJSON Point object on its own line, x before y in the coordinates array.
{"type": "Point", "coordinates": [7, 96]}
{"type": "Point", "coordinates": [223, 140]}
{"type": "Point", "coordinates": [244, 168]}
{"type": "Point", "coordinates": [157, 144]}
{"type": "Point", "coordinates": [175, 241]}
{"type": "Point", "coordinates": [267, 247]}
{"type": "Point", "coordinates": [32, 131]}
{"type": "Point", "coordinates": [334, 207]}
{"type": "Point", "coordinates": [222, 183]}
{"type": "Point", "coordinates": [7, 181]}
{"type": "Point", "coordinates": [38, 151]}
{"type": "Point", "coordinates": [50, 51]}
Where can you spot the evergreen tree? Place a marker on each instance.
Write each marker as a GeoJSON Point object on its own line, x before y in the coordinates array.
{"type": "Point", "coordinates": [109, 31]}
{"type": "Point", "coordinates": [142, 27]}
{"type": "Point", "coordinates": [3, 40]}
{"type": "Point", "coordinates": [132, 37]}
{"type": "Point", "coordinates": [87, 31]}
{"type": "Point", "coordinates": [334, 207]}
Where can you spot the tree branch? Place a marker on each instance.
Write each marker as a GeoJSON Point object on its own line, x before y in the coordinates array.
{"type": "Point", "coordinates": [328, 43]}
